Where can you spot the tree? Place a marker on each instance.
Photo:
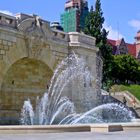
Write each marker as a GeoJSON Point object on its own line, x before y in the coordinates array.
{"type": "Point", "coordinates": [125, 69]}
{"type": "Point", "coordinates": [94, 22]}
{"type": "Point", "coordinates": [94, 27]}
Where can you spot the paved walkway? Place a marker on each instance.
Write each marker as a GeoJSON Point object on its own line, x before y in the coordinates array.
{"type": "Point", "coordinates": [130, 135]}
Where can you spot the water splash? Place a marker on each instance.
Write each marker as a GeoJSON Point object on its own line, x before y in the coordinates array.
{"type": "Point", "coordinates": [106, 113]}
{"type": "Point", "coordinates": [53, 108]}
{"type": "Point", "coordinates": [27, 114]}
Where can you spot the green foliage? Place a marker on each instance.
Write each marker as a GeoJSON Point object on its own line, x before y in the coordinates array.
{"type": "Point", "coordinates": [125, 68]}
{"type": "Point", "coordinates": [94, 22]}
{"type": "Point", "coordinates": [94, 27]}
{"type": "Point", "coordinates": [121, 68]}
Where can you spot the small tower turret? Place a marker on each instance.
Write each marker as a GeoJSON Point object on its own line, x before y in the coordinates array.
{"type": "Point", "coordinates": [137, 42]}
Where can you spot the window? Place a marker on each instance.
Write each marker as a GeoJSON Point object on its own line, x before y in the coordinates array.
{"type": "Point", "coordinates": [8, 21]}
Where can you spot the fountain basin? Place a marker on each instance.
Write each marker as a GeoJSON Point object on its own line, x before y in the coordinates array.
{"type": "Point", "coordinates": [111, 127]}
{"type": "Point", "coordinates": [101, 127]}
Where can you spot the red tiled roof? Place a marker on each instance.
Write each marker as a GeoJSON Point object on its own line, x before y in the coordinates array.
{"type": "Point", "coordinates": [111, 42]}
{"type": "Point", "coordinates": [114, 42]}
{"type": "Point", "coordinates": [131, 49]}
{"type": "Point", "coordinates": [118, 42]}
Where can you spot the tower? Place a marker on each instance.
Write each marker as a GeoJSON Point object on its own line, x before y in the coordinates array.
{"type": "Point", "coordinates": [73, 18]}
{"type": "Point", "coordinates": [137, 42]}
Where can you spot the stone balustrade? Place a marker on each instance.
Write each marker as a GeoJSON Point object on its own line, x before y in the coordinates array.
{"type": "Point", "coordinates": [60, 35]}
{"type": "Point", "coordinates": [74, 38]}
{"type": "Point", "coordinates": [78, 39]}
{"type": "Point", "coordinates": [7, 20]}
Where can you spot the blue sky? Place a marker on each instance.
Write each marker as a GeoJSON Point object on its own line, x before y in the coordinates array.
{"type": "Point", "coordinates": [120, 15]}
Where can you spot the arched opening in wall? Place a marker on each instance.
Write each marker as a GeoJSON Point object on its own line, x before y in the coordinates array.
{"type": "Point", "coordinates": [27, 78]}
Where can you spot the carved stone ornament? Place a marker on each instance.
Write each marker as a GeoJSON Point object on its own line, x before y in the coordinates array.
{"type": "Point", "coordinates": [36, 33]}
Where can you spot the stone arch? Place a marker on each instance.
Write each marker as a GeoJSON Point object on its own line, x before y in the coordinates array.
{"type": "Point", "coordinates": [26, 78]}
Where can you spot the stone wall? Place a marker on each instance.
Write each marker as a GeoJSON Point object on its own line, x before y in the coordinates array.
{"type": "Point", "coordinates": [29, 53]}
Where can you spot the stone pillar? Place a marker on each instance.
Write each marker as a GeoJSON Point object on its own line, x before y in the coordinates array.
{"type": "Point", "coordinates": [84, 46]}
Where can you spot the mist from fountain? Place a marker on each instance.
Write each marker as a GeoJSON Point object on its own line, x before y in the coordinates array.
{"type": "Point", "coordinates": [53, 108]}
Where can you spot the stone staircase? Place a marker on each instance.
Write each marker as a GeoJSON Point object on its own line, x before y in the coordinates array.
{"type": "Point", "coordinates": [118, 97]}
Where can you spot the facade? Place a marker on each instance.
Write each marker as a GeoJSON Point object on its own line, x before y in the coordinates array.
{"type": "Point", "coordinates": [29, 53]}
{"type": "Point", "coordinates": [73, 18]}
{"type": "Point", "coordinates": [121, 47]}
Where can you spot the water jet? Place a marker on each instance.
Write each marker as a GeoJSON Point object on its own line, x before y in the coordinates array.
{"type": "Point", "coordinates": [56, 108]}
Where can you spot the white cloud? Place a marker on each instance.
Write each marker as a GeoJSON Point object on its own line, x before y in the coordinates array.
{"type": "Point", "coordinates": [113, 33]}
{"type": "Point", "coordinates": [135, 24]}
{"type": "Point", "coordinates": [6, 12]}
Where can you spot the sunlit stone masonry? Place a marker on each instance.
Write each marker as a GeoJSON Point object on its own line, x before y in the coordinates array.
{"type": "Point", "coordinates": [29, 53]}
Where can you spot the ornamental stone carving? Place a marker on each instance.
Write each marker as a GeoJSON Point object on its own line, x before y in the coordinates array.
{"type": "Point", "coordinates": [36, 35]}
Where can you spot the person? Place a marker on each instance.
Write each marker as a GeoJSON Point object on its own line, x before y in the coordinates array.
{"type": "Point", "coordinates": [124, 101]}
{"type": "Point", "coordinates": [134, 102]}
{"type": "Point", "coordinates": [47, 86]}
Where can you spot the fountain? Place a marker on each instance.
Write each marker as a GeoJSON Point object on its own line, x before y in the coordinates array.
{"type": "Point", "coordinates": [55, 108]}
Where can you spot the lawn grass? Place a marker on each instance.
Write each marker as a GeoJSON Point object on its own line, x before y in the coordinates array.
{"type": "Point", "coordinates": [134, 89]}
